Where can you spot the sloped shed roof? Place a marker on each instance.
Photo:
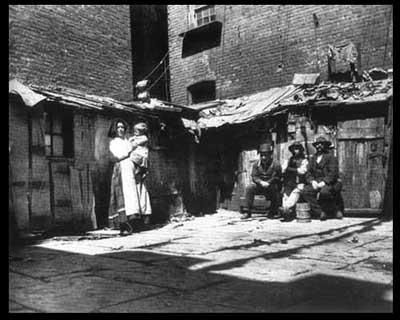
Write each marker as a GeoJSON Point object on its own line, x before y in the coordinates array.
{"type": "Point", "coordinates": [217, 113]}
{"type": "Point", "coordinates": [33, 94]}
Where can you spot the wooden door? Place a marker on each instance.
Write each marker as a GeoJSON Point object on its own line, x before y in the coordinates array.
{"type": "Point", "coordinates": [247, 159]}
{"type": "Point", "coordinates": [61, 191]}
{"type": "Point", "coordinates": [361, 163]}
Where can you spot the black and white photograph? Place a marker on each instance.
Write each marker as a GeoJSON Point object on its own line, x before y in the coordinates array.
{"type": "Point", "coordinates": [200, 158]}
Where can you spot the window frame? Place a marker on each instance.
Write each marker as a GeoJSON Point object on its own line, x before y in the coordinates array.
{"type": "Point", "coordinates": [66, 131]}
{"type": "Point", "coordinates": [205, 11]}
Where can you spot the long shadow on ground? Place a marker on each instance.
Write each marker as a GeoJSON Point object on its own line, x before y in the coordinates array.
{"type": "Point", "coordinates": [138, 281]}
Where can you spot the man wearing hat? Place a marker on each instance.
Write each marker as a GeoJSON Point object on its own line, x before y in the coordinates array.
{"type": "Point", "coordinates": [338, 186]}
{"type": "Point", "coordinates": [293, 179]}
{"type": "Point", "coordinates": [322, 175]}
{"type": "Point", "coordinates": [266, 176]}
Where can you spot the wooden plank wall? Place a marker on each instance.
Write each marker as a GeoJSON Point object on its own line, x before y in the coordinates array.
{"type": "Point", "coordinates": [361, 148]}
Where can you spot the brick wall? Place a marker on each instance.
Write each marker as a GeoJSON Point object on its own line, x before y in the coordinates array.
{"type": "Point", "coordinates": [255, 39]}
{"type": "Point", "coordinates": [84, 47]}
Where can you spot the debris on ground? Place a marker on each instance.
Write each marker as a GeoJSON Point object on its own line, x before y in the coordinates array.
{"type": "Point", "coordinates": [117, 248]}
{"type": "Point", "coordinates": [301, 272]}
{"type": "Point", "coordinates": [259, 241]}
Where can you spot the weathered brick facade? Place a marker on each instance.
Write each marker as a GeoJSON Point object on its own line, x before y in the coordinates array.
{"type": "Point", "coordinates": [84, 47]}
{"type": "Point", "coordinates": [256, 39]}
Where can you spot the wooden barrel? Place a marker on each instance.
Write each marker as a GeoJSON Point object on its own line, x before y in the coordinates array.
{"type": "Point", "coordinates": [303, 212]}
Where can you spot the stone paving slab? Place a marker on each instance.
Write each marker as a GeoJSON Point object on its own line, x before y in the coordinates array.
{"type": "Point", "coordinates": [43, 269]}
{"type": "Point", "coordinates": [147, 257]}
{"type": "Point", "coordinates": [196, 247]}
{"type": "Point", "coordinates": [333, 304]}
{"type": "Point", "coordinates": [87, 248]}
{"type": "Point", "coordinates": [167, 303]}
{"type": "Point", "coordinates": [101, 246]}
{"type": "Point", "coordinates": [362, 274]}
{"type": "Point", "coordinates": [206, 241]}
{"type": "Point", "coordinates": [278, 297]}
{"type": "Point", "coordinates": [220, 257]}
{"type": "Point", "coordinates": [279, 270]}
{"type": "Point", "coordinates": [26, 253]}
{"type": "Point", "coordinates": [20, 281]}
{"type": "Point", "coordinates": [79, 294]}
{"type": "Point", "coordinates": [216, 262]}
{"type": "Point", "coordinates": [179, 262]}
{"type": "Point", "coordinates": [38, 267]}
{"type": "Point", "coordinates": [256, 296]}
{"type": "Point", "coordinates": [14, 307]}
{"type": "Point", "coordinates": [164, 276]}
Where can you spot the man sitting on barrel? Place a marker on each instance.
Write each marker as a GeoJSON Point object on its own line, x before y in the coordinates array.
{"type": "Point", "coordinates": [322, 177]}
{"type": "Point", "coordinates": [293, 180]}
{"type": "Point", "coordinates": [266, 175]}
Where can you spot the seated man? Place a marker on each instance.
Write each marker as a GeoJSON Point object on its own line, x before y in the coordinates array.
{"type": "Point", "coordinates": [338, 194]}
{"type": "Point", "coordinates": [293, 179]}
{"type": "Point", "coordinates": [339, 199]}
{"type": "Point", "coordinates": [266, 175]}
{"type": "Point", "coordinates": [322, 176]}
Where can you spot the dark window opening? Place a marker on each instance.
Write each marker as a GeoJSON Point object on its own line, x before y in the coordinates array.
{"type": "Point", "coordinates": [201, 92]}
{"type": "Point", "coordinates": [280, 129]}
{"type": "Point", "coordinates": [59, 138]}
{"type": "Point", "coordinates": [149, 28]}
{"type": "Point", "coordinates": [202, 38]}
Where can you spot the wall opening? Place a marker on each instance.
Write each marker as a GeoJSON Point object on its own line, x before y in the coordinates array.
{"type": "Point", "coordinates": [150, 60]}
{"type": "Point", "coordinates": [201, 92]}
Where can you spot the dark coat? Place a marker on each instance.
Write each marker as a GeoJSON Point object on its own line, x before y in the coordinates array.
{"type": "Point", "coordinates": [327, 170]}
{"type": "Point", "coordinates": [291, 176]}
{"type": "Point", "coordinates": [271, 173]}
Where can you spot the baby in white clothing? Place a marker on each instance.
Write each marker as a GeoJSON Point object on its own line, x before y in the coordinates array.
{"type": "Point", "coordinates": [140, 153]}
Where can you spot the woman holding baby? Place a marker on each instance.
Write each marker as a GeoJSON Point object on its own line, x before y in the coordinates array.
{"type": "Point", "coordinates": [129, 199]}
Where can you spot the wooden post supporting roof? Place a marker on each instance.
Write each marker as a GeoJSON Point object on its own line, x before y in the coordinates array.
{"type": "Point", "coordinates": [388, 198]}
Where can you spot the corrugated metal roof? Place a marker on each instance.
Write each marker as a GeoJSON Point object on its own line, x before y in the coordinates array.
{"type": "Point", "coordinates": [217, 113]}
{"type": "Point", "coordinates": [243, 109]}
{"type": "Point", "coordinates": [34, 94]}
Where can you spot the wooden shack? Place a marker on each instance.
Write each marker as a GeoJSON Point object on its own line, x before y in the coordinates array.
{"type": "Point", "coordinates": [354, 115]}
{"type": "Point", "coordinates": [60, 166]}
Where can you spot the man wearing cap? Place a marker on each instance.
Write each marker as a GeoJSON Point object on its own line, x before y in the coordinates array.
{"type": "Point", "coordinates": [322, 175]}
{"type": "Point", "coordinates": [266, 176]}
{"type": "Point", "coordinates": [293, 179]}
